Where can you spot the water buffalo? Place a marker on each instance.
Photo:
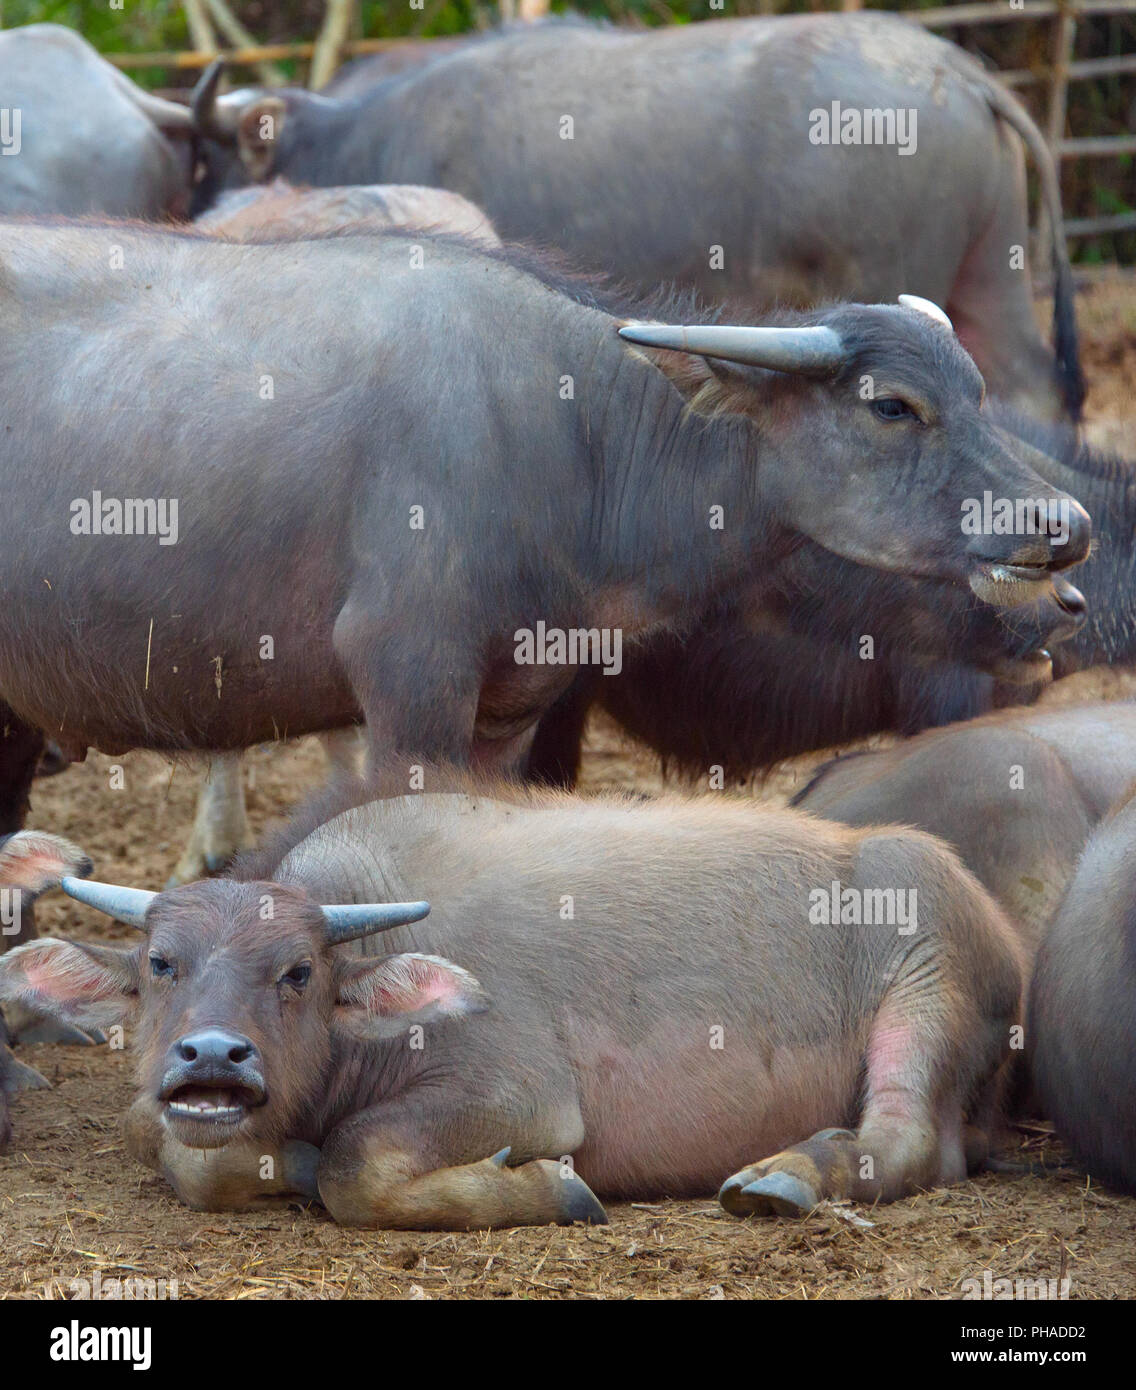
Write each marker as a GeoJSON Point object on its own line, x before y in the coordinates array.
{"type": "Point", "coordinates": [81, 137]}
{"type": "Point", "coordinates": [1024, 798]}
{"type": "Point", "coordinates": [277, 210]}
{"type": "Point", "coordinates": [1081, 1029]}
{"type": "Point", "coordinates": [766, 160]}
{"type": "Point", "coordinates": [772, 674]}
{"type": "Point", "coordinates": [396, 580]}
{"type": "Point", "coordinates": [633, 998]}
{"type": "Point", "coordinates": [782, 669]}
{"type": "Point", "coordinates": [361, 74]}
{"type": "Point", "coordinates": [1016, 794]}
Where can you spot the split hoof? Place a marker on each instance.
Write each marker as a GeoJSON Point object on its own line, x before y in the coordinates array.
{"type": "Point", "coordinates": [775, 1194]}
{"type": "Point", "coordinates": [18, 1076]}
{"type": "Point", "coordinates": [579, 1203]}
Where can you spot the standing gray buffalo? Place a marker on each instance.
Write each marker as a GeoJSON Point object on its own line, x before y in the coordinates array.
{"type": "Point", "coordinates": [377, 494]}
{"type": "Point", "coordinates": [636, 999]}
{"type": "Point", "coordinates": [80, 137]}
{"type": "Point", "coordinates": [783, 670]}
{"type": "Point", "coordinates": [1081, 1031]}
{"type": "Point", "coordinates": [764, 160]}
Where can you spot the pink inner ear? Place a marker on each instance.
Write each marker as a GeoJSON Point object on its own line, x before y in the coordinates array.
{"type": "Point", "coordinates": [34, 862]}
{"type": "Point", "coordinates": [409, 984]}
{"type": "Point", "coordinates": [65, 973]}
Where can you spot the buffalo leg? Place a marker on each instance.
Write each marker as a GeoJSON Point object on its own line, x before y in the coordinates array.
{"type": "Point", "coordinates": [220, 822]}
{"type": "Point", "coordinates": [20, 749]}
{"type": "Point", "coordinates": [554, 756]}
{"type": "Point", "coordinates": [912, 1134]}
{"type": "Point", "coordinates": [393, 1167]}
{"type": "Point", "coordinates": [407, 709]}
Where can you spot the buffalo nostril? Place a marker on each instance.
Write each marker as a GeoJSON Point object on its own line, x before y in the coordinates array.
{"type": "Point", "coordinates": [215, 1047]}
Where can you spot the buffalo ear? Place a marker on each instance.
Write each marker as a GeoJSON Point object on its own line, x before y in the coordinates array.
{"type": "Point", "coordinates": [383, 998]}
{"type": "Point", "coordinates": [33, 862]}
{"type": "Point", "coordinates": [258, 129]}
{"type": "Point", "coordinates": [81, 983]}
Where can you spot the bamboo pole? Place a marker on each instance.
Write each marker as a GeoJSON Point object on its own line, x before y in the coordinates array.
{"type": "Point", "coordinates": [244, 55]}
{"type": "Point", "coordinates": [330, 41]}
{"type": "Point", "coordinates": [236, 32]}
{"type": "Point", "coordinates": [200, 26]}
{"type": "Point", "coordinates": [1064, 38]}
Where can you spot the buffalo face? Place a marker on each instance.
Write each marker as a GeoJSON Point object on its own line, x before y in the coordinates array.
{"type": "Point", "coordinates": [871, 437]}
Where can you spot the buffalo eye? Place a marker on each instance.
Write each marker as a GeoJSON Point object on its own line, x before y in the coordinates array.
{"type": "Point", "coordinates": [892, 408]}
{"type": "Point", "coordinates": [160, 968]}
{"type": "Point", "coordinates": [297, 978]}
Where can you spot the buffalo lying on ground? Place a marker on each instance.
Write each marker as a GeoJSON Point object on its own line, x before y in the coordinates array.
{"type": "Point", "coordinates": [1015, 794]}
{"type": "Point", "coordinates": [87, 139]}
{"type": "Point", "coordinates": [767, 160]}
{"type": "Point", "coordinates": [1018, 795]}
{"type": "Point", "coordinates": [494, 459]}
{"type": "Point", "coordinates": [638, 999]}
{"type": "Point", "coordinates": [1081, 1031]}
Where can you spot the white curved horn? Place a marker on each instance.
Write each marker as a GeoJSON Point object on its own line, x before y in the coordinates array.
{"type": "Point", "coordinates": [811, 351]}
{"type": "Point", "coordinates": [926, 306]}
{"type": "Point", "coordinates": [125, 904]}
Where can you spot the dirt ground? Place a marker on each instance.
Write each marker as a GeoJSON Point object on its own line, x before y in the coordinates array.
{"type": "Point", "coordinates": [72, 1203]}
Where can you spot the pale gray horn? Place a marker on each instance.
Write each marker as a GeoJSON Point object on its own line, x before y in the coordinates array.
{"type": "Point", "coordinates": [125, 904]}
{"type": "Point", "coordinates": [926, 306]}
{"type": "Point", "coordinates": [815, 351]}
{"type": "Point", "coordinates": [350, 921]}
{"type": "Point", "coordinates": [216, 123]}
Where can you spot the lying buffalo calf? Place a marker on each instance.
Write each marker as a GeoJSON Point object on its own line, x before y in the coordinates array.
{"type": "Point", "coordinates": [642, 998]}
{"type": "Point", "coordinates": [1082, 1012]}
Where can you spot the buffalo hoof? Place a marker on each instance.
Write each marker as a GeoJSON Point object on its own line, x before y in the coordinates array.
{"type": "Point", "coordinates": [579, 1203]}
{"type": "Point", "coordinates": [205, 866]}
{"type": "Point", "coordinates": [18, 1076]}
{"type": "Point", "coordinates": [776, 1194]}
{"type": "Point", "coordinates": [52, 761]}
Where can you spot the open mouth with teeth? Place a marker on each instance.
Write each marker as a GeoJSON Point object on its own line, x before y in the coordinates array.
{"type": "Point", "coordinates": [212, 1105]}
{"type": "Point", "coordinates": [1009, 586]}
